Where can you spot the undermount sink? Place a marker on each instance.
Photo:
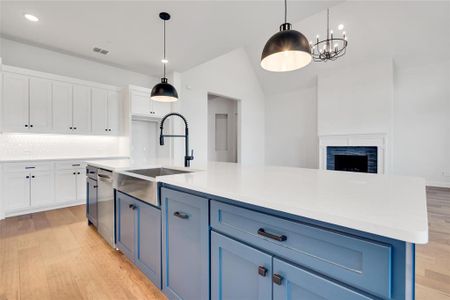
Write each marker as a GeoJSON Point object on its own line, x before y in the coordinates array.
{"type": "Point", "coordinates": [158, 172]}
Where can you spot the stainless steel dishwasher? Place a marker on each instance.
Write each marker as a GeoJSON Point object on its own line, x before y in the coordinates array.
{"type": "Point", "coordinates": [105, 205]}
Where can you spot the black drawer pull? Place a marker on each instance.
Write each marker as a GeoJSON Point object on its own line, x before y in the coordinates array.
{"type": "Point", "coordinates": [262, 271]}
{"type": "Point", "coordinates": [277, 279]}
{"type": "Point", "coordinates": [280, 238]}
{"type": "Point", "coordinates": [76, 165]}
{"type": "Point", "coordinates": [132, 206]}
{"type": "Point", "coordinates": [181, 215]}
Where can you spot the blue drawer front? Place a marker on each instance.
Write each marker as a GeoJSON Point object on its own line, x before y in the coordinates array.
{"type": "Point", "coordinates": [239, 271]}
{"type": "Point", "coordinates": [358, 262]}
{"type": "Point", "coordinates": [299, 284]}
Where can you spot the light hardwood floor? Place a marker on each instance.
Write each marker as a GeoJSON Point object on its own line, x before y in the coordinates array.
{"type": "Point", "coordinates": [55, 255]}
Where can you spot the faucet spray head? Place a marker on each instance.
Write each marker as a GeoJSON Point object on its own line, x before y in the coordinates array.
{"type": "Point", "coordinates": [161, 140]}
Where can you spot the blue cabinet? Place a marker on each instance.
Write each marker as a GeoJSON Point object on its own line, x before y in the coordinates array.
{"type": "Point", "coordinates": [239, 271]}
{"type": "Point", "coordinates": [291, 283]}
{"type": "Point", "coordinates": [185, 244]}
{"type": "Point", "coordinates": [138, 231]}
{"type": "Point", "coordinates": [91, 199]}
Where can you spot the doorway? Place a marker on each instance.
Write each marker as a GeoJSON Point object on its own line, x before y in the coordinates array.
{"type": "Point", "coordinates": [222, 129]}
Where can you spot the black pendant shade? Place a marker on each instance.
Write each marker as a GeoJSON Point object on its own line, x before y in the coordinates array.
{"type": "Point", "coordinates": [286, 50]}
{"type": "Point", "coordinates": [164, 92]}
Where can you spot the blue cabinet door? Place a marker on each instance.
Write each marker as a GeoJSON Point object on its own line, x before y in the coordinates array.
{"type": "Point", "coordinates": [91, 199]}
{"type": "Point", "coordinates": [239, 271]}
{"type": "Point", "coordinates": [185, 245]}
{"type": "Point", "coordinates": [126, 223]}
{"type": "Point", "coordinates": [294, 283]}
{"type": "Point", "coordinates": [148, 247]}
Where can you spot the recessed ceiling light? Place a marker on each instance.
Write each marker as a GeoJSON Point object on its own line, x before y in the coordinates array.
{"type": "Point", "coordinates": [341, 26]}
{"type": "Point", "coordinates": [31, 18]}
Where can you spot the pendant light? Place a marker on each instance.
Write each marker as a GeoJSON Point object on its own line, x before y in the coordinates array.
{"type": "Point", "coordinates": [286, 50]}
{"type": "Point", "coordinates": [164, 92]}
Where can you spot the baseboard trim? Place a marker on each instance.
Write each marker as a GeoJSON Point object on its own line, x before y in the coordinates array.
{"type": "Point", "coordinates": [41, 208]}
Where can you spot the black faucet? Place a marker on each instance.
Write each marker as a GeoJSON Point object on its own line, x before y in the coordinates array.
{"type": "Point", "coordinates": [187, 157]}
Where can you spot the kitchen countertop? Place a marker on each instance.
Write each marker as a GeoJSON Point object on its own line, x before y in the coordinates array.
{"type": "Point", "coordinates": [385, 205]}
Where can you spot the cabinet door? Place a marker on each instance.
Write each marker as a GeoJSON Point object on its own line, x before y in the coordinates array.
{"type": "Point", "coordinates": [148, 250]}
{"type": "Point", "coordinates": [81, 109]}
{"type": "Point", "coordinates": [160, 109]}
{"type": "Point", "coordinates": [40, 105]}
{"type": "Point", "coordinates": [113, 113]}
{"type": "Point", "coordinates": [15, 102]}
{"type": "Point", "coordinates": [65, 186]}
{"type": "Point", "coordinates": [99, 111]}
{"type": "Point", "coordinates": [291, 283]}
{"type": "Point", "coordinates": [239, 271]}
{"type": "Point", "coordinates": [140, 103]}
{"type": "Point", "coordinates": [41, 189]}
{"type": "Point", "coordinates": [16, 190]}
{"type": "Point", "coordinates": [125, 206]}
{"type": "Point", "coordinates": [185, 245]}
{"type": "Point", "coordinates": [81, 185]}
{"type": "Point", "coordinates": [62, 107]}
{"type": "Point", "coordinates": [91, 201]}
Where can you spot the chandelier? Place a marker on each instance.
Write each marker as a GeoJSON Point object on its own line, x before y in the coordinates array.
{"type": "Point", "coordinates": [330, 48]}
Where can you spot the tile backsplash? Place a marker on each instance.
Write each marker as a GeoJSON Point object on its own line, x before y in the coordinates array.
{"type": "Point", "coordinates": [18, 146]}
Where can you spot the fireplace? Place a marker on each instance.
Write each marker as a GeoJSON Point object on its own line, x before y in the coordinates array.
{"type": "Point", "coordinates": [352, 159]}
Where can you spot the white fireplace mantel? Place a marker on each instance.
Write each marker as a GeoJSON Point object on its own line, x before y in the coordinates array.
{"type": "Point", "coordinates": [378, 140]}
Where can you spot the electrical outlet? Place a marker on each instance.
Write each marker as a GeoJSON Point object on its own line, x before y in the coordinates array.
{"type": "Point", "coordinates": [446, 173]}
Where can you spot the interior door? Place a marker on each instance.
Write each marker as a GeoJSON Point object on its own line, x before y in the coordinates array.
{"type": "Point", "coordinates": [81, 109]}
{"type": "Point", "coordinates": [239, 271]}
{"type": "Point", "coordinates": [40, 105]}
{"type": "Point", "coordinates": [113, 112]}
{"type": "Point", "coordinates": [62, 107]}
{"type": "Point", "coordinates": [41, 188]}
{"type": "Point", "coordinates": [99, 111]}
{"type": "Point", "coordinates": [15, 102]}
{"type": "Point", "coordinates": [16, 190]}
{"type": "Point", "coordinates": [65, 186]}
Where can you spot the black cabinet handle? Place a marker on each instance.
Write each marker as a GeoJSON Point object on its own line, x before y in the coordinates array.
{"type": "Point", "coordinates": [27, 176]}
{"type": "Point", "coordinates": [26, 168]}
{"type": "Point", "coordinates": [31, 125]}
{"type": "Point", "coordinates": [277, 279]}
{"type": "Point", "coordinates": [78, 173]}
{"type": "Point", "coordinates": [106, 129]}
{"type": "Point", "coordinates": [70, 128]}
{"type": "Point", "coordinates": [26, 125]}
{"type": "Point", "coordinates": [76, 165]}
{"type": "Point", "coordinates": [75, 128]}
{"type": "Point", "coordinates": [279, 238]}
{"type": "Point", "coordinates": [262, 271]}
{"type": "Point", "coordinates": [132, 206]}
{"type": "Point", "coordinates": [74, 173]}
{"type": "Point", "coordinates": [33, 176]}
{"type": "Point", "coordinates": [95, 186]}
{"type": "Point", "coordinates": [181, 215]}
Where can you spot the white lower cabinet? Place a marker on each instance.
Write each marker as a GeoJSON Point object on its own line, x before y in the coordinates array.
{"type": "Point", "coordinates": [33, 186]}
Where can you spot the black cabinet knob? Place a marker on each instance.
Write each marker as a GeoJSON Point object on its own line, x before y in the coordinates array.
{"type": "Point", "coordinates": [33, 176]}
{"type": "Point", "coordinates": [75, 128]}
{"type": "Point", "coordinates": [26, 125]}
{"type": "Point", "coordinates": [181, 215]}
{"type": "Point", "coordinates": [106, 129]}
{"type": "Point", "coordinates": [27, 176]}
{"type": "Point", "coordinates": [31, 125]}
{"type": "Point", "coordinates": [262, 271]}
{"type": "Point", "coordinates": [277, 279]}
{"type": "Point", "coordinates": [70, 128]}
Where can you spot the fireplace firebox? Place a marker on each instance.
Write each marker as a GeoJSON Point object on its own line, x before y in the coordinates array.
{"type": "Point", "coordinates": [352, 159]}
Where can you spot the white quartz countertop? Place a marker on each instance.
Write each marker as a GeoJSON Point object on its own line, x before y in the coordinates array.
{"type": "Point", "coordinates": [385, 205]}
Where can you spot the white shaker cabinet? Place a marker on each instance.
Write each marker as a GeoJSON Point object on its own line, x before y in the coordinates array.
{"type": "Point", "coordinates": [62, 107]}
{"type": "Point", "coordinates": [16, 190]}
{"type": "Point", "coordinates": [40, 105]}
{"type": "Point", "coordinates": [15, 102]}
{"type": "Point", "coordinates": [41, 188]}
{"type": "Point", "coordinates": [70, 185]}
{"type": "Point", "coordinates": [81, 109]}
{"type": "Point", "coordinates": [113, 113]}
{"type": "Point", "coordinates": [160, 109]}
{"type": "Point", "coordinates": [99, 111]}
{"type": "Point", "coordinates": [142, 105]}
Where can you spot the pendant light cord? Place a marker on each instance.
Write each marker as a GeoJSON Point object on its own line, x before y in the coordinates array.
{"type": "Point", "coordinates": [285, 11]}
{"type": "Point", "coordinates": [164, 51]}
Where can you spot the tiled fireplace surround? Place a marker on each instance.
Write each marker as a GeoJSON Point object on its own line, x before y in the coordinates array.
{"type": "Point", "coordinates": [363, 142]}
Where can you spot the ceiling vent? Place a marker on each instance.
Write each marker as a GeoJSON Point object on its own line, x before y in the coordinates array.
{"type": "Point", "coordinates": [100, 50]}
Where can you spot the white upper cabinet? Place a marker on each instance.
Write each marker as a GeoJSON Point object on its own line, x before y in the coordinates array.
{"type": "Point", "coordinates": [113, 112]}
{"type": "Point", "coordinates": [62, 107]}
{"type": "Point", "coordinates": [99, 111]}
{"type": "Point", "coordinates": [40, 105]}
{"type": "Point", "coordinates": [142, 105]}
{"type": "Point", "coordinates": [15, 102]}
{"type": "Point", "coordinates": [43, 103]}
{"type": "Point", "coordinates": [81, 109]}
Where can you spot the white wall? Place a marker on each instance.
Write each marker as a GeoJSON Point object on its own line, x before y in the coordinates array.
{"type": "Point", "coordinates": [422, 122]}
{"type": "Point", "coordinates": [232, 76]}
{"type": "Point", "coordinates": [291, 123]}
{"type": "Point", "coordinates": [26, 56]}
{"type": "Point", "coordinates": [357, 99]}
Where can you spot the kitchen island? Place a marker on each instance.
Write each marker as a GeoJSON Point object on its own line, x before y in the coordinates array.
{"type": "Point", "coordinates": [237, 232]}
